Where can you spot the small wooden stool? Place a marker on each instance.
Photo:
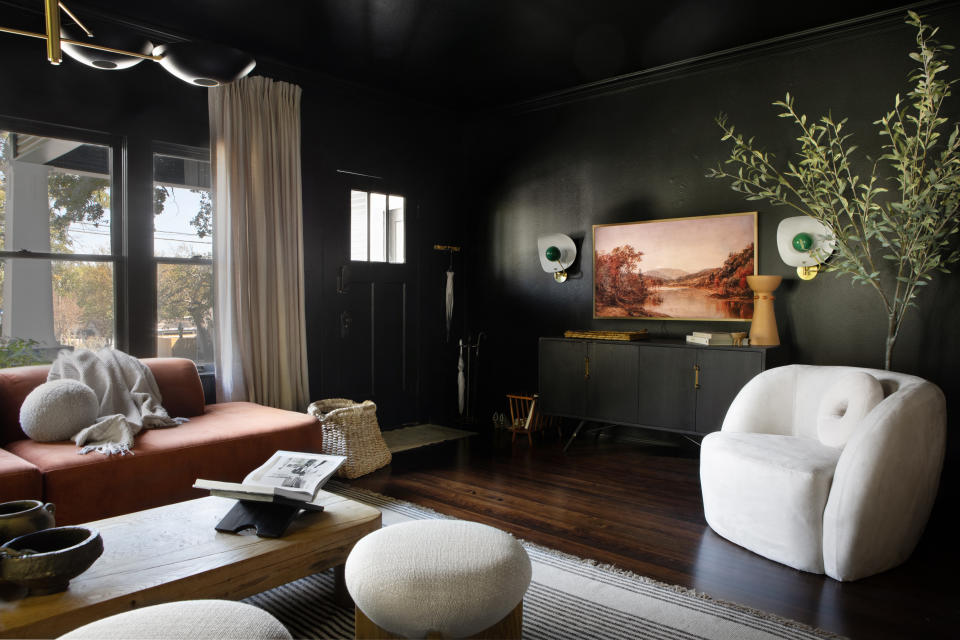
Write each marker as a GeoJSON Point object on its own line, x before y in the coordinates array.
{"type": "Point", "coordinates": [438, 579]}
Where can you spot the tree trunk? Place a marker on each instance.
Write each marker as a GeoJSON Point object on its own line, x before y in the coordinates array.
{"type": "Point", "coordinates": [893, 328]}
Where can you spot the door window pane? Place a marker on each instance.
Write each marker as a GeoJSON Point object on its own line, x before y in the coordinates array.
{"type": "Point", "coordinates": [395, 220]}
{"type": "Point", "coordinates": [377, 227]}
{"type": "Point", "coordinates": [358, 226]}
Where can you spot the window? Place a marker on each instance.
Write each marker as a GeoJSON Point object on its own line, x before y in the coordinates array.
{"type": "Point", "coordinates": [57, 256]}
{"type": "Point", "coordinates": [183, 250]}
{"type": "Point", "coordinates": [376, 227]}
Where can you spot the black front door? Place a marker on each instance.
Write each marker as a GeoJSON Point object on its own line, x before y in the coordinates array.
{"type": "Point", "coordinates": [370, 280]}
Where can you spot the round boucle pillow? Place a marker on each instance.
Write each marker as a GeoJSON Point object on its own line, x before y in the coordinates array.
{"type": "Point", "coordinates": [57, 410]}
{"type": "Point", "coordinates": [842, 408]}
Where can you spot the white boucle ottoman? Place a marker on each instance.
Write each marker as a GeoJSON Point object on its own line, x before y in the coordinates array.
{"type": "Point", "coordinates": [190, 619]}
{"type": "Point", "coordinates": [448, 577]}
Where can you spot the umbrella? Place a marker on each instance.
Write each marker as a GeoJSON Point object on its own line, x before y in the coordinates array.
{"type": "Point", "coordinates": [461, 381]}
{"type": "Point", "coordinates": [449, 300]}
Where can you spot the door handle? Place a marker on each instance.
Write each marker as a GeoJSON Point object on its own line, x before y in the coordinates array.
{"type": "Point", "coordinates": [696, 376]}
{"type": "Point", "coordinates": [586, 367]}
{"type": "Point", "coordinates": [343, 279]}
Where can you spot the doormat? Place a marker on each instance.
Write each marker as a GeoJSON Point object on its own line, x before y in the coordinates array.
{"type": "Point", "coordinates": [421, 435]}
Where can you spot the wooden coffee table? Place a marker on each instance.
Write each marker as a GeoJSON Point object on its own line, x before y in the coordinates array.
{"type": "Point", "coordinates": [173, 553]}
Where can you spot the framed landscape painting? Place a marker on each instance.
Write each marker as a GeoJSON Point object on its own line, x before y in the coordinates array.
{"type": "Point", "coordinates": [675, 269]}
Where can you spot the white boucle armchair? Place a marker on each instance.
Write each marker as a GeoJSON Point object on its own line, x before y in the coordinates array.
{"type": "Point", "coordinates": [826, 469]}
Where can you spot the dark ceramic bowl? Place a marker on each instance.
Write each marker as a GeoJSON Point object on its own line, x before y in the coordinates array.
{"type": "Point", "coordinates": [59, 554]}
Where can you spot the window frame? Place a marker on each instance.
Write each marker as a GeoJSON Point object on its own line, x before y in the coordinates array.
{"type": "Point", "coordinates": [188, 153]}
{"type": "Point", "coordinates": [118, 213]}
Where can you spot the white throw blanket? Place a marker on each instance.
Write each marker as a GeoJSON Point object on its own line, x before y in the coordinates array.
{"type": "Point", "coordinates": [128, 395]}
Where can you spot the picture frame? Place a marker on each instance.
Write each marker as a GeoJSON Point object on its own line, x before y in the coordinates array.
{"type": "Point", "coordinates": [692, 268]}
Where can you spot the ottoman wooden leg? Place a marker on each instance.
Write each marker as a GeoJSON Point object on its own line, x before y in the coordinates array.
{"type": "Point", "coordinates": [365, 629]}
{"type": "Point", "coordinates": [509, 628]}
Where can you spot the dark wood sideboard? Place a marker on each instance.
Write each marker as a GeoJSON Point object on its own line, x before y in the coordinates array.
{"type": "Point", "coordinates": [659, 384]}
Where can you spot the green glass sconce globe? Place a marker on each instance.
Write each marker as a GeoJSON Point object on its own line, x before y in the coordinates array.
{"type": "Point", "coordinates": [803, 241]}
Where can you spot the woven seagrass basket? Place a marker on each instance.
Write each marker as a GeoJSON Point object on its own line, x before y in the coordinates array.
{"type": "Point", "coordinates": [350, 429]}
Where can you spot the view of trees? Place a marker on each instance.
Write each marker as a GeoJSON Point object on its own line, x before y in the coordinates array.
{"type": "Point", "coordinates": [186, 291]}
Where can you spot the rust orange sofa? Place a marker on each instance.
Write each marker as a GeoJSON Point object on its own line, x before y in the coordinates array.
{"type": "Point", "coordinates": [223, 441]}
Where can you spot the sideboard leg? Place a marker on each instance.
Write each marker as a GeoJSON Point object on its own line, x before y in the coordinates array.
{"type": "Point", "coordinates": [574, 435]}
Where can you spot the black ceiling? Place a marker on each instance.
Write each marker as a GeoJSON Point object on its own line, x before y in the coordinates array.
{"type": "Point", "coordinates": [473, 53]}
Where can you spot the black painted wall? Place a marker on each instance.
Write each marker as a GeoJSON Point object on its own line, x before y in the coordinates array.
{"type": "Point", "coordinates": [344, 127]}
{"type": "Point", "coordinates": [641, 154]}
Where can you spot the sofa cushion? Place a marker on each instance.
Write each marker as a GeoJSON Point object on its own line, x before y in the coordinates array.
{"type": "Point", "coordinates": [19, 479]}
{"type": "Point", "coordinates": [58, 410]}
{"type": "Point", "coordinates": [180, 386]}
{"type": "Point", "coordinates": [767, 493]}
{"type": "Point", "coordinates": [225, 443]}
{"type": "Point", "coordinates": [15, 384]}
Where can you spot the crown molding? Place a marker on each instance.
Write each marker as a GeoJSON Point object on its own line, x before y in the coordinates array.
{"type": "Point", "coordinates": [871, 23]}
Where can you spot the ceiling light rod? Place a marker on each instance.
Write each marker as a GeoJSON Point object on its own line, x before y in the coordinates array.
{"type": "Point", "coordinates": [80, 43]}
{"type": "Point", "coordinates": [53, 52]}
{"type": "Point", "coordinates": [75, 19]}
{"type": "Point", "coordinates": [198, 63]}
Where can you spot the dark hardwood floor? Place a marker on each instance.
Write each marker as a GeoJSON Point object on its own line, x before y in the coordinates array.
{"type": "Point", "coordinates": [638, 507]}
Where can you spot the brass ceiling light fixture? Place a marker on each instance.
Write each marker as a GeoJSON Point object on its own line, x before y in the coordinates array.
{"type": "Point", "coordinates": [199, 63]}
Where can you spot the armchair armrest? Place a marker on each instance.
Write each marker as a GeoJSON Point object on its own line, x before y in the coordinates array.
{"type": "Point", "coordinates": [885, 484]}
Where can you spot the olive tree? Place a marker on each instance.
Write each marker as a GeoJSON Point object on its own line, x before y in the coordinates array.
{"type": "Point", "coordinates": [903, 212]}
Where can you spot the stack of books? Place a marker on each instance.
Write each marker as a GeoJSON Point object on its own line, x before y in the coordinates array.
{"type": "Point", "coordinates": [710, 338]}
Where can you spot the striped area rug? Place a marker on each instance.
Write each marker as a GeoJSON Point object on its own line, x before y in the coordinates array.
{"type": "Point", "coordinates": [568, 598]}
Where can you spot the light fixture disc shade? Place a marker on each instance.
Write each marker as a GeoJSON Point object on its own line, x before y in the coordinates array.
{"type": "Point", "coordinates": [108, 37]}
{"type": "Point", "coordinates": [823, 242]}
{"type": "Point", "coordinates": [568, 251]}
{"type": "Point", "coordinates": [203, 63]}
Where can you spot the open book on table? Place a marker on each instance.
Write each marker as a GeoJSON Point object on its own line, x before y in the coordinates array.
{"type": "Point", "coordinates": [288, 477]}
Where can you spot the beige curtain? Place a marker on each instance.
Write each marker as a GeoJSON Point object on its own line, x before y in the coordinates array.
{"type": "Point", "coordinates": [258, 243]}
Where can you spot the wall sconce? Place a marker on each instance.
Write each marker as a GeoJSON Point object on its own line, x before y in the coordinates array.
{"type": "Point", "coordinates": [198, 63]}
{"type": "Point", "coordinates": [557, 253]}
{"type": "Point", "coordinates": [804, 243]}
